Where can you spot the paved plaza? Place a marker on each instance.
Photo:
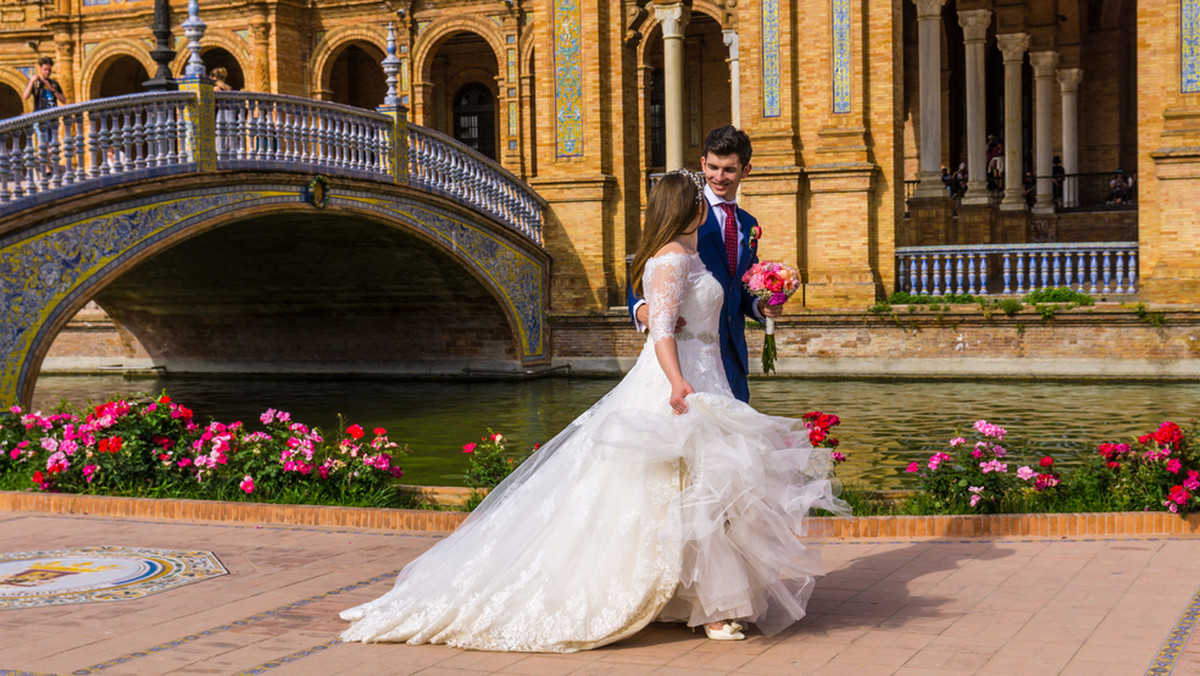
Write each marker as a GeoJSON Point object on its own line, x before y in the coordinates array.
{"type": "Point", "coordinates": [1119, 605]}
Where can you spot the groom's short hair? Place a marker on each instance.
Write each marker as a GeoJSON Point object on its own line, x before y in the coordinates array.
{"type": "Point", "coordinates": [728, 140]}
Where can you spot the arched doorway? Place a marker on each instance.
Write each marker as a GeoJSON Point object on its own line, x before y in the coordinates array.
{"type": "Point", "coordinates": [123, 75]}
{"type": "Point", "coordinates": [218, 57]}
{"type": "Point", "coordinates": [356, 77]}
{"type": "Point", "coordinates": [459, 61]}
{"type": "Point", "coordinates": [10, 102]}
{"type": "Point", "coordinates": [475, 118]}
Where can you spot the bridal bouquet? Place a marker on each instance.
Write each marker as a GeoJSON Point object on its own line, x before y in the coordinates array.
{"type": "Point", "coordinates": [773, 283]}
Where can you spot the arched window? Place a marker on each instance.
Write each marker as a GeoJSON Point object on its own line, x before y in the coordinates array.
{"type": "Point", "coordinates": [475, 118]}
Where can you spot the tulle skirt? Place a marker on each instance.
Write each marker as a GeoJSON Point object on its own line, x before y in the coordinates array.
{"type": "Point", "coordinates": [631, 514]}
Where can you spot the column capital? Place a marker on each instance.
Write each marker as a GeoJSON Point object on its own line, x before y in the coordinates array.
{"type": "Point", "coordinates": [929, 9]}
{"type": "Point", "coordinates": [1070, 78]}
{"type": "Point", "coordinates": [1043, 63]}
{"type": "Point", "coordinates": [975, 23]}
{"type": "Point", "coordinates": [730, 36]}
{"type": "Point", "coordinates": [673, 17]}
{"type": "Point", "coordinates": [1013, 46]}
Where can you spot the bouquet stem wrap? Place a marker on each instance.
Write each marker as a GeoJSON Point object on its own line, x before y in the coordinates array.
{"type": "Point", "coordinates": [768, 350]}
{"type": "Point", "coordinates": [772, 283]}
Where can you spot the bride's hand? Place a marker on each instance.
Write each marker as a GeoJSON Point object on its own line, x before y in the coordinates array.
{"type": "Point", "coordinates": [679, 391]}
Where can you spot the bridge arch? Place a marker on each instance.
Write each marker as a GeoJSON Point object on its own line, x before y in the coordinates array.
{"type": "Point", "coordinates": [102, 57]}
{"type": "Point", "coordinates": [53, 263]}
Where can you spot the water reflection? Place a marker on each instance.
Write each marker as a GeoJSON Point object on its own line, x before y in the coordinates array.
{"type": "Point", "coordinates": [885, 424]}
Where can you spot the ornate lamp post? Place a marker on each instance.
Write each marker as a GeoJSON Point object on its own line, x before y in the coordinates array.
{"type": "Point", "coordinates": [162, 53]}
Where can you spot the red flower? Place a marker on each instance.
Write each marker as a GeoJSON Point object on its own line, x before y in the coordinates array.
{"type": "Point", "coordinates": [1178, 495]}
{"type": "Point", "coordinates": [1113, 464]}
{"type": "Point", "coordinates": [164, 399]}
{"type": "Point", "coordinates": [1168, 434]}
{"type": "Point", "coordinates": [1046, 461]}
{"type": "Point", "coordinates": [469, 448]}
{"type": "Point", "coordinates": [379, 431]}
{"type": "Point", "coordinates": [355, 432]}
{"type": "Point", "coordinates": [38, 478]}
{"type": "Point", "coordinates": [773, 282]}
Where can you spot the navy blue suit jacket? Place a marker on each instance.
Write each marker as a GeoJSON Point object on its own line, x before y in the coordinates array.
{"type": "Point", "coordinates": [738, 304]}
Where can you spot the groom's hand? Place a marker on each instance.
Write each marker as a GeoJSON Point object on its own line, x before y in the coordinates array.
{"type": "Point", "coordinates": [768, 310]}
{"type": "Point", "coordinates": [643, 317]}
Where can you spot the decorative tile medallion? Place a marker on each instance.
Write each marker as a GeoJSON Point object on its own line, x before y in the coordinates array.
{"type": "Point", "coordinates": [770, 58]}
{"type": "Point", "coordinates": [94, 574]}
{"type": "Point", "coordinates": [841, 56]}
{"type": "Point", "coordinates": [1189, 46]}
{"type": "Point", "coordinates": [568, 79]}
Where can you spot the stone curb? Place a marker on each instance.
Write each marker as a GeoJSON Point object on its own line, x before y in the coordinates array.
{"type": "Point", "coordinates": [1112, 524]}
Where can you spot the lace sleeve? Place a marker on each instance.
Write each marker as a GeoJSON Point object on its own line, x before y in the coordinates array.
{"type": "Point", "coordinates": [665, 282]}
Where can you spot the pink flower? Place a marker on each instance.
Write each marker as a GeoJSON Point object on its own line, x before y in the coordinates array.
{"type": "Point", "coordinates": [247, 484]}
{"type": "Point", "coordinates": [913, 468]}
{"type": "Point", "coordinates": [1173, 465]}
{"type": "Point", "coordinates": [993, 466]}
{"type": "Point", "coordinates": [267, 417]}
{"type": "Point", "coordinates": [989, 430]}
{"type": "Point", "coordinates": [469, 448]}
{"type": "Point", "coordinates": [937, 459]}
{"type": "Point", "coordinates": [838, 457]}
{"type": "Point", "coordinates": [1025, 473]}
{"type": "Point", "coordinates": [976, 496]}
{"type": "Point", "coordinates": [957, 441]}
{"type": "Point", "coordinates": [88, 472]}
{"type": "Point", "coordinates": [1192, 482]}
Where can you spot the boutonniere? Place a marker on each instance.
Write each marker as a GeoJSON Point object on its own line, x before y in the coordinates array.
{"type": "Point", "coordinates": [755, 233]}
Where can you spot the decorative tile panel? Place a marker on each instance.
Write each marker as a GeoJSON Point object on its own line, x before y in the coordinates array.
{"type": "Point", "coordinates": [568, 79]}
{"type": "Point", "coordinates": [403, 75]}
{"type": "Point", "coordinates": [1189, 46]}
{"type": "Point", "coordinates": [512, 66]}
{"type": "Point", "coordinates": [513, 118]}
{"type": "Point", "coordinates": [770, 58]}
{"type": "Point", "coordinates": [841, 56]}
{"type": "Point", "coordinates": [243, 34]}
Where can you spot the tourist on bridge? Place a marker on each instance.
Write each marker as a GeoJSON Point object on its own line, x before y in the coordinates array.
{"type": "Point", "coordinates": [728, 246]}
{"type": "Point", "coordinates": [668, 500]}
{"type": "Point", "coordinates": [46, 93]}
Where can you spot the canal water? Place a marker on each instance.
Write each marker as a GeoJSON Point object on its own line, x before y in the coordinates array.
{"type": "Point", "coordinates": [885, 424]}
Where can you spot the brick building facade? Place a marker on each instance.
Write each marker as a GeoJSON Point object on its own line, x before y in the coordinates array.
{"type": "Point", "coordinates": [568, 95]}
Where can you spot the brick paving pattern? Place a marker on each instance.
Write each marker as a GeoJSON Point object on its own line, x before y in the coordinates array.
{"type": "Point", "coordinates": [1005, 605]}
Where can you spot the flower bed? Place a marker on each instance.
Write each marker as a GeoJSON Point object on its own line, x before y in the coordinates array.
{"type": "Point", "coordinates": [153, 447]}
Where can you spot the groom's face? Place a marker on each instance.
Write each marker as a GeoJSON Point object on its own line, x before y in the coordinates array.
{"type": "Point", "coordinates": [724, 173]}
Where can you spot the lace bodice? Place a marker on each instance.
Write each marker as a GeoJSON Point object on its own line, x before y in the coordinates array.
{"type": "Point", "coordinates": [678, 285]}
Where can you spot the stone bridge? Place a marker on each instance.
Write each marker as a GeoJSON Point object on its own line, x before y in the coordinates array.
{"type": "Point", "coordinates": [246, 232]}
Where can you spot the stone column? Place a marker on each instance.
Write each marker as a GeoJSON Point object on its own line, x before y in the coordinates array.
{"type": "Point", "coordinates": [975, 23]}
{"type": "Point", "coordinates": [735, 77]}
{"type": "Point", "coordinates": [261, 41]}
{"type": "Point", "coordinates": [1044, 64]}
{"type": "Point", "coordinates": [1012, 46]}
{"type": "Point", "coordinates": [929, 33]}
{"type": "Point", "coordinates": [674, 18]}
{"type": "Point", "coordinates": [1069, 79]}
{"type": "Point", "coordinates": [64, 63]}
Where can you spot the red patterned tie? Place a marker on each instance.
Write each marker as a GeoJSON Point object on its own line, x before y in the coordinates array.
{"type": "Point", "coordinates": [731, 236]}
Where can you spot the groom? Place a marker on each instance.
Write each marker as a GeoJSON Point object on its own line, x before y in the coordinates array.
{"type": "Point", "coordinates": [728, 245]}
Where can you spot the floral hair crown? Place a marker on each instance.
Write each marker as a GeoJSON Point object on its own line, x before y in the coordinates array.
{"type": "Point", "coordinates": [696, 178]}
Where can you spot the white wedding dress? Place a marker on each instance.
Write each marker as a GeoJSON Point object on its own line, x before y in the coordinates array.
{"type": "Point", "coordinates": [630, 514]}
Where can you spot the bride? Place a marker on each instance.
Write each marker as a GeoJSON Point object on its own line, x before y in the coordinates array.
{"type": "Point", "coordinates": [667, 500]}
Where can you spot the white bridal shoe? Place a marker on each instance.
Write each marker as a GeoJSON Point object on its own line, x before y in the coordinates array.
{"type": "Point", "coordinates": [730, 631]}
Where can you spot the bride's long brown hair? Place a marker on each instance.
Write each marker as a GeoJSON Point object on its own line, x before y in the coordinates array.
{"type": "Point", "coordinates": [674, 202]}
